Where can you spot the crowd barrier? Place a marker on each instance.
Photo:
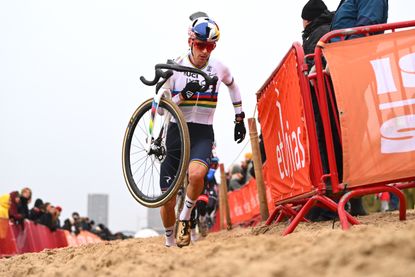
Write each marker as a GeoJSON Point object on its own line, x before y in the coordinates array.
{"type": "Point", "coordinates": [244, 204]}
{"type": "Point", "coordinates": [374, 86]}
{"type": "Point", "coordinates": [376, 128]}
{"type": "Point", "coordinates": [32, 237]}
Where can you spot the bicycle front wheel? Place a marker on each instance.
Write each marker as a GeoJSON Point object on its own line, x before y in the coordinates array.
{"type": "Point", "coordinates": [154, 170]}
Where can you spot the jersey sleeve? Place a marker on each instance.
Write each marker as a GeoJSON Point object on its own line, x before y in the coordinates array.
{"type": "Point", "coordinates": [233, 88]}
{"type": "Point", "coordinates": [169, 87]}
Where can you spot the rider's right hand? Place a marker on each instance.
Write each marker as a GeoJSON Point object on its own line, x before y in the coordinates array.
{"type": "Point", "coordinates": [190, 89]}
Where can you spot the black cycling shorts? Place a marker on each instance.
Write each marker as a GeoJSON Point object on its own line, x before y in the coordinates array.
{"type": "Point", "coordinates": [201, 142]}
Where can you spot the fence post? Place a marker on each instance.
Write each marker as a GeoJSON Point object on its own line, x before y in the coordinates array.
{"type": "Point", "coordinates": [223, 201]}
{"type": "Point", "coordinates": [256, 157]}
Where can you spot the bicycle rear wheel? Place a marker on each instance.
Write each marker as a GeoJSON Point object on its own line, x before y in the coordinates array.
{"type": "Point", "coordinates": [143, 167]}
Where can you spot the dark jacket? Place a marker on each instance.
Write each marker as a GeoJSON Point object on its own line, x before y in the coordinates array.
{"type": "Point", "coordinates": [36, 212]}
{"type": "Point", "coordinates": [23, 208]}
{"type": "Point", "coordinates": [315, 30]}
{"type": "Point", "coordinates": [47, 220]}
{"type": "Point", "coordinates": [354, 13]}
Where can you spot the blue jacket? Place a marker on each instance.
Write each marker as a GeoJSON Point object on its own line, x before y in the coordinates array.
{"type": "Point", "coordinates": [353, 13]}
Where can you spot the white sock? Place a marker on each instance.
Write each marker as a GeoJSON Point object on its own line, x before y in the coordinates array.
{"type": "Point", "coordinates": [187, 209]}
{"type": "Point", "coordinates": [169, 235]}
{"type": "Point", "coordinates": [193, 235]}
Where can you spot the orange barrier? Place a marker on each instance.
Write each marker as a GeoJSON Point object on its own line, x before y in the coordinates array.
{"type": "Point", "coordinates": [33, 237]}
{"type": "Point", "coordinates": [377, 126]}
{"type": "Point", "coordinates": [244, 204]}
{"type": "Point", "coordinates": [83, 238]}
{"type": "Point", "coordinates": [281, 114]}
{"type": "Point", "coordinates": [8, 245]}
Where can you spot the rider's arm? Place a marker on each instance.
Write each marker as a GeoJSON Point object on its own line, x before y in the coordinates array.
{"type": "Point", "coordinates": [233, 88]}
{"type": "Point", "coordinates": [167, 87]}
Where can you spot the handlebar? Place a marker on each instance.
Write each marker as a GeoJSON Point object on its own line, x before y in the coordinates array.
{"type": "Point", "coordinates": [171, 66]}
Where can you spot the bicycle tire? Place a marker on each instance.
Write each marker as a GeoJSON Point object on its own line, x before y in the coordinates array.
{"type": "Point", "coordinates": [136, 192]}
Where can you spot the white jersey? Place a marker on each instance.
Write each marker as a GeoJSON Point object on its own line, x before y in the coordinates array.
{"type": "Point", "coordinates": [201, 107]}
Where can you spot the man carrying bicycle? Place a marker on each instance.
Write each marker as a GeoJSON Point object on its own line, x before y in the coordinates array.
{"type": "Point", "coordinates": [198, 109]}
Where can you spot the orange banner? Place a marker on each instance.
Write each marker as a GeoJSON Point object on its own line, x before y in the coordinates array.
{"type": "Point", "coordinates": [244, 203]}
{"type": "Point", "coordinates": [374, 82]}
{"type": "Point", "coordinates": [281, 114]}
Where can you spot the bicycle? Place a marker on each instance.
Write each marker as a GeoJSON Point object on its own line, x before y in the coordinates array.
{"type": "Point", "coordinates": [144, 147]}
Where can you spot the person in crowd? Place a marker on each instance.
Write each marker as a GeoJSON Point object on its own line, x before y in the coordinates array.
{"type": "Point", "coordinates": [384, 198]}
{"type": "Point", "coordinates": [5, 203]}
{"type": "Point", "coordinates": [58, 211]}
{"type": "Point", "coordinates": [355, 13]}
{"type": "Point", "coordinates": [247, 166]}
{"type": "Point", "coordinates": [25, 198]}
{"type": "Point", "coordinates": [67, 225]}
{"type": "Point", "coordinates": [37, 210]}
{"type": "Point", "coordinates": [236, 178]}
{"type": "Point", "coordinates": [203, 36]}
{"type": "Point", "coordinates": [86, 224]}
{"type": "Point", "coordinates": [105, 233]}
{"type": "Point", "coordinates": [76, 225]}
{"type": "Point", "coordinates": [49, 218]}
{"type": "Point", "coordinates": [316, 22]}
{"type": "Point", "coordinates": [14, 215]}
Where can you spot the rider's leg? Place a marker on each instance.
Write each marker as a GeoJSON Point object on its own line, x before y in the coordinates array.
{"type": "Point", "coordinates": [197, 172]}
{"type": "Point", "coordinates": [168, 170]}
{"type": "Point", "coordinates": [168, 217]}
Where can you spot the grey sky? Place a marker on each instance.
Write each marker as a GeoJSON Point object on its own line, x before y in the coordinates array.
{"type": "Point", "coordinates": [69, 82]}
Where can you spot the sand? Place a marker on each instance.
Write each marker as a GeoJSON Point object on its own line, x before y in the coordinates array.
{"type": "Point", "coordinates": [381, 246]}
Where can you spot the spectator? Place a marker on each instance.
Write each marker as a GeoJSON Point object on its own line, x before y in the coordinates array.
{"type": "Point", "coordinates": [236, 178]}
{"type": "Point", "coordinates": [246, 166]}
{"type": "Point", "coordinates": [316, 22]}
{"type": "Point", "coordinates": [105, 233]}
{"type": "Point", "coordinates": [48, 219]}
{"type": "Point", "coordinates": [85, 224]}
{"type": "Point", "coordinates": [76, 223]}
{"type": "Point", "coordinates": [4, 214]}
{"type": "Point", "coordinates": [58, 213]}
{"type": "Point", "coordinates": [25, 198]}
{"type": "Point", "coordinates": [14, 215]}
{"type": "Point", "coordinates": [355, 13]}
{"type": "Point", "coordinates": [36, 212]}
{"type": "Point", "coordinates": [67, 225]}
{"type": "Point", "coordinates": [384, 201]}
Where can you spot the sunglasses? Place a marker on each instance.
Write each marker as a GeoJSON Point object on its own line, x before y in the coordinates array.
{"type": "Point", "coordinates": [201, 45]}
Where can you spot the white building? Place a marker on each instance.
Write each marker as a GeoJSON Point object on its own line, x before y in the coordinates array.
{"type": "Point", "coordinates": [98, 208]}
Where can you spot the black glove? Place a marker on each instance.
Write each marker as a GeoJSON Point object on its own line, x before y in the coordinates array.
{"type": "Point", "coordinates": [240, 130]}
{"type": "Point", "coordinates": [190, 89]}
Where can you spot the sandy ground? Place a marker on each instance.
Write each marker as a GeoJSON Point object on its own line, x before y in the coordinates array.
{"type": "Point", "coordinates": [380, 246]}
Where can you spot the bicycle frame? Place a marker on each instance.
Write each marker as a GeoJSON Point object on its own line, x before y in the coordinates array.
{"type": "Point", "coordinates": [170, 66]}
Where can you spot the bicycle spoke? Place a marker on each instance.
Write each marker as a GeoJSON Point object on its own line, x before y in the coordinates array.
{"type": "Point", "coordinates": [174, 157]}
{"type": "Point", "coordinates": [143, 171]}
{"type": "Point", "coordinates": [138, 152]}
{"type": "Point", "coordinates": [142, 177]}
{"type": "Point", "coordinates": [139, 166]}
{"type": "Point", "coordinates": [152, 165]}
{"type": "Point", "coordinates": [139, 160]}
{"type": "Point", "coordinates": [142, 146]}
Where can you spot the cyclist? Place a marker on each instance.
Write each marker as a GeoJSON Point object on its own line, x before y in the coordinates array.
{"type": "Point", "coordinates": [205, 204]}
{"type": "Point", "coordinates": [198, 109]}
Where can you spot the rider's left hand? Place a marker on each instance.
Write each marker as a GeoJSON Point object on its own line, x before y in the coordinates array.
{"type": "Point", "coordinates": [240, 130]}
